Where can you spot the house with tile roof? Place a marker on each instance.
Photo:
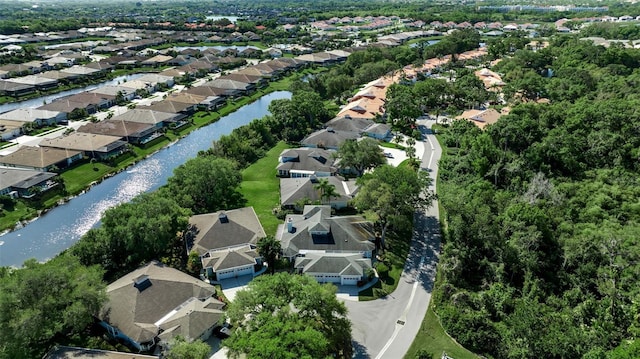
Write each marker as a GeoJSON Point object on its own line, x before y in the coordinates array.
{"type": "Point", "coordinates": [226, 242]}
{"type": "Point", "coordinates": [156, 303]}
{"type": "Point", "coordinates": [40, 158]}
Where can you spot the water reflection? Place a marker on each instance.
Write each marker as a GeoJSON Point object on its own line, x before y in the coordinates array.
{"type": "Point", "coordinates": [64, 225]}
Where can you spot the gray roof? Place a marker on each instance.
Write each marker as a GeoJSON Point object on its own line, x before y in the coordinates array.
{"type": "Point", "coordinates": [295, 189]}
{"type": "Point", "coordinates": [344, 234]}
{"type": "Point", "coordinates": [328, 138]}
{"type": "Point", "coordinates": [378, 128]}
{"type": "Point", "coordinates": [308, 159]}
{"type": "Point", "coordinates": [333, 263]}
{"type": "Point", "coordinates": [227, 84]}
{"type": "Point", "coordinates": [192, 319]}
{"type": "Point", "coordinates": [146, 296]}
{"type": "Point", "coordinates": [242, 227]}
{"type": "Point", "coordinates": [21, 178]}
{"type": "Point", "coordinates": [349, 124]}
{"type": "Point", "coordinates": [29, 115]}
{"type": "Point", "coordinates": [118, 128]}
{"type": "Point", "coordinates": [230, 258]}
{"type": "Point", "coordinates": [168, 106]}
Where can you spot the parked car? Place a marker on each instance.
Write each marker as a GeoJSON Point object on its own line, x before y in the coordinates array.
{"type": "Point", "coordinates": [223, 331]}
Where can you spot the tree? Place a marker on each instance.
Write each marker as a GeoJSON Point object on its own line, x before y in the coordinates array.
{"type": "Point", "coordinates": [402, 107]}
{"type": "Point", "coordinates": [44, 300]}
{"type": "Point", "coordinates": [133, 233]}
{"type": "Point", "coordinates": [269, 248]}
{"type": "Point", "coordinates": [206, 184]}
{"type": "Point", "coordinates": [360, 155]}
{"type": "Point", "coordinates": [327, 190]}
{"type": "Point", "coordinates": [289, 316]}
{"type": "Point", "coordinates": [393, 194]}
{"type": "Point", "coordinates": [181, 349]}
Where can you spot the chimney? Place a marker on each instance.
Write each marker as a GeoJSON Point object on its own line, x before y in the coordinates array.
{"type": "Point", "coordinates": [223, 217]}
{"type": "Point", "coordinates": [290, 228]}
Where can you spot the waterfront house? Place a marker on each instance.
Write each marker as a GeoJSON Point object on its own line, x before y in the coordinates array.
{"type": "Point", "coordinates": [15, 89]}
{"type": "Point", "coordinates": [231, 88]}
{"type": "Point", "coordinates": [133, 132]}
{"type": "Point", "coordinates": [101, 147]}
{"type": "Point", "coordinates": [226, 242]}
{"type": "Point", "coordinates": [10, 129]}
{"type": "Point", "coordinates": [156, 118]}
{"type": "Point", "coordinates": [64, 352]}
{"type": "Point", "coordinates": [40, 83]}
{"type": "Point", "coordinates": [24, 183]}
{"type": "Point", "coordinates": [328, 138]}
{"type": "Point", "coordinates": [41, 159]}
{"type": "Point", "coordinates": [37, 117]}
{"type": "Point", "coordinates": [156, 303]}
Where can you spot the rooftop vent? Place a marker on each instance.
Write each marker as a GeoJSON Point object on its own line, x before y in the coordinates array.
{"type": "Point", "coordinates": [142, 282]}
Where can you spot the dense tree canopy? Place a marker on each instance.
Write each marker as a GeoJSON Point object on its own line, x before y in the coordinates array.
{"type": "Point", "coordinates": [541, 257]}
{"type": "Point", "coordinates": [289, 316]}
{"type": "Point", "coordinates": [206, 184]}
{"type": "Point", "coordinates": [181, 349]}
{"type": "Point", "coordinates": [42, 301]}
{"type": "Point", "coordinates": [360, 156]}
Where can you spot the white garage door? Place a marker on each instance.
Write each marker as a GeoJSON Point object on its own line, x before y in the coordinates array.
{"type": "Point", "coordinates": [244, 271]}
{"type": "Point", "coordinates": [349, 281]}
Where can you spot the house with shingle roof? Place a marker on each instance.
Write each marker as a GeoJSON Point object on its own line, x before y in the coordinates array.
{"type": "Point", "coordinates": [306, 162]}
{"type": "Point", "coordinates": [132, 132]}
{"type": "Point", "coordinates": [328, 138]}
{"type": "Point", "coordinates": [92, 145]}
{"type": "Point", "coordinates": [64, 352]}
{"type": "Point", "coordinates": [226, 242]}
{"type": "Point", "coordinates": [20, 182]}
{"type": "Point", "coordinates": [317, 231]}
{"type": "Point", "coordinates": [338, 268]}
{"type": "Point", "coordinates": [156, 303]}
{"type": "Point", "coordinates": [293, 190]}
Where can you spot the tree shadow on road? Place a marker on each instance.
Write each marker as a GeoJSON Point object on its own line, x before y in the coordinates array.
{"type": "Point", "coordinates": [359, 351]}
{"type": "Point", "coordinates": [423, 256]}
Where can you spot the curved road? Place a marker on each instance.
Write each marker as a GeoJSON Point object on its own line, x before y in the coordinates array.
{"type": "Point", "coordinates": [386, 327]}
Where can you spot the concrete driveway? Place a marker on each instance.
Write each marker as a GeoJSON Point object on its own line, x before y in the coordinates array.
{"type": "Point", "coordinates": [386, 327]}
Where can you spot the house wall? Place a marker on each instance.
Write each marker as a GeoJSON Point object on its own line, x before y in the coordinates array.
{"type": "Point", "coordinates": [235, 272]}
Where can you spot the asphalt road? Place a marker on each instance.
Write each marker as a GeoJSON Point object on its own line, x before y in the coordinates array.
{"type": "Point", "coordinates": [386, 327]}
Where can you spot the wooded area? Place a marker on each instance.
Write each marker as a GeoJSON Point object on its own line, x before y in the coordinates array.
{"type": "Point", "coordinates": [542, 211]}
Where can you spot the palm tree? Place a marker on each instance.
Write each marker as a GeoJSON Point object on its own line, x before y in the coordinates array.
{"type": "Point", "coordinates": [327, 190]}
{"type": "Point", "coordinates": [269, 248]}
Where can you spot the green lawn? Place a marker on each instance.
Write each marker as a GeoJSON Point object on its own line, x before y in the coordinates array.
{"type": "Point", "coordinates": [433, 340]}
{"type": "Point", "coordinates": [394, 258]}
{"type": "Point", "coordinates": [261, 188]}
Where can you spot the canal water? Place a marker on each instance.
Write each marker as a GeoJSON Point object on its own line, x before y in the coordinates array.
{"type": "Point", "coordinates": [64, 225]}
{"type": "Point", "coordinates": [37, 102]}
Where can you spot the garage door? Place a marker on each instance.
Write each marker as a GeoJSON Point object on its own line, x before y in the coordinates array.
{"type": "Point", "coordinates": [245, 271]}
{"type": "Point", "coordinates": [349, 281]}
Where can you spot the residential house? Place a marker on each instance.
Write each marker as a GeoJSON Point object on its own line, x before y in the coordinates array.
{"type": "Point", "coordinates": [156, 118]}
{"type": "Point", "coordinates": [257, 81]}
{"type": "Point", "coordinates": [379, 131]}
{"type": "Point", "coordinates": [481, 118]}
{"type": "Point", "coordinates": [206, 91]}
{"type": "Point", "coordinates": [170, 106]}
{"type": "Point", "coordinates": [84, 71]}
{"type": "Point", "coordinates": [317, 231]}
{"type": "Point", "coordinates": [40, 83]}
{"type": "Point", "coordinates": [306, 162]}
{"type": "Point", "coordinates": [205, 102]}
{"type": "Point", "coordinates": [101, 147]}
{"type": "Point", "coordinates": [10, 129]}
{"type": "Point", "coordinates": [128, 94]}
{"type": "Point", "coordinates": [157, 303]}
{"type": "Point", "coordinates": [133, 132]}
{"type": "Point", "coordinates": [156, 80]}
{"type": "Point", "coordinates": [232, 88]}
{"type": "Point", "coordinates": [41, 159]}
{"type": "Point", "coordinates": [338, 268]}
{"type": "Point", "coordinates": [226, 242]}
{"type": "Point", "coordinates": [14, 89]}
{"type": "Point", "coordinates": [37, 117]}
{"type": "Point", "coordinates": [24, 183]}
{"type": "Point", "coordinates": [157, 60]}
{"type": "Point", "coordinates": [328, 138]}
{"type": "Point", "coordinates": [295, 190]}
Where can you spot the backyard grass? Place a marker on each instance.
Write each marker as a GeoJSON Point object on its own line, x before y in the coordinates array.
{"type": "Point", "coordinates": [261, 187]}
{"type": "Point", "coordinates": [433, 341]}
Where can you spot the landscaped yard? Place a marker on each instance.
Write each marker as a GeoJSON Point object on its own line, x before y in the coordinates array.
{"type": "Point", "coordinates": [261, 188]}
